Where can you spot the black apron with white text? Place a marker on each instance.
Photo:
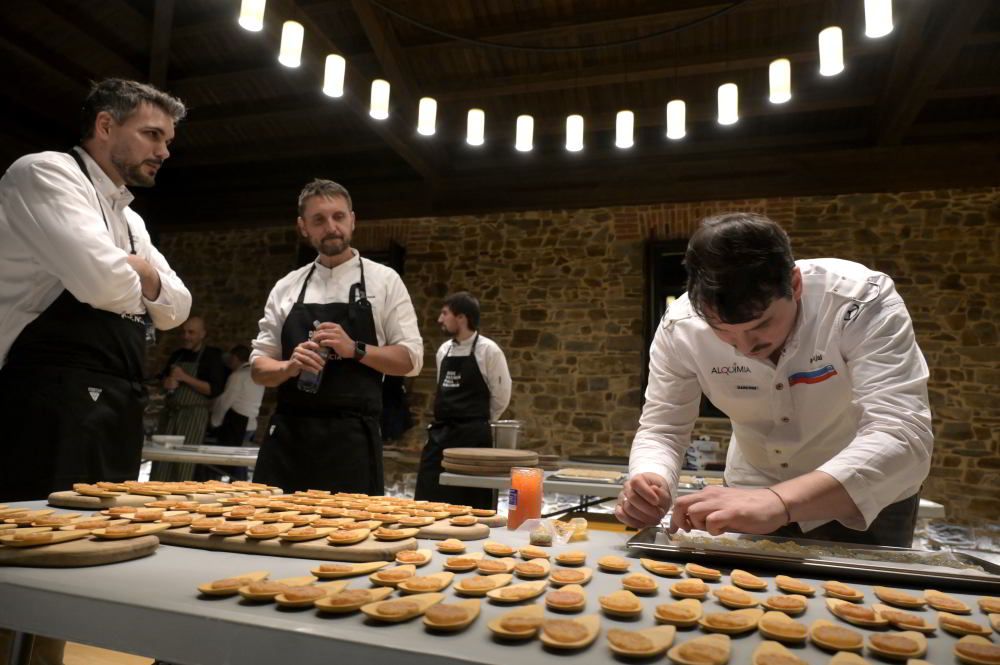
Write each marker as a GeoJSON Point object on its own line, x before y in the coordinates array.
{"type": "Point", "coordinates": [71, 398]}
{"type": "Point", "coordinates": [461, 419]}
{"type": "Point", "coordinates": [328, 440]}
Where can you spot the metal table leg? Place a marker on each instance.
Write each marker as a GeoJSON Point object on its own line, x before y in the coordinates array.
{"type": "Point", "coordinates": [21, 645]}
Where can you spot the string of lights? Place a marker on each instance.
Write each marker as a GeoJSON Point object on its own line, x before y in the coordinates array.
{"type": "Point", "coordinates": [878, 23]}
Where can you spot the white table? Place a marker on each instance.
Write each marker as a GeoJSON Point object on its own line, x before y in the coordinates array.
{"type": "Point", "coordinates": [149, 606]}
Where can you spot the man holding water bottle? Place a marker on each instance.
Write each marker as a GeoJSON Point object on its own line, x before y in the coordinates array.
{"type": "Point", "coordinates": [331, 330]}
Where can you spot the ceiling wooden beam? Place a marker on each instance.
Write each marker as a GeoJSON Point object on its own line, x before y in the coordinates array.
{"type": "Point", "coordinates": [40, 20]}
{"type": "Point", "coordinates": [682, 66]}
{"type": "Point", "coordinates": [284, 149]}
{"type": "Point", "coordinates": [513, 31]}
{"type": "Point", "coordinates": [159, 48]}
{"type": "Point", "coordinates": [921, 59]}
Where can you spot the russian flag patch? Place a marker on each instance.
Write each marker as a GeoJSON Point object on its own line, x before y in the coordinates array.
{"type": "Point", "coordinates": [815, 376]}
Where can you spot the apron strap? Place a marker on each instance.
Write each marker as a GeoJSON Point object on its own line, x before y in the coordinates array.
{"type": "Point", "coordinates": [302, 291]}
{"type": "Point", "coordinates": [79, 162]}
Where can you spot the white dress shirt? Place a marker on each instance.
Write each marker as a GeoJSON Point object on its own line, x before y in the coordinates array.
{"type": "Point", "coordinates": [53, 237]}
{"type": "Point", "coordinates": [848, 395]}
{"type": "Point", "coordinates": [241, 395]}
{"type": "Point", "coordinates": [395, 320]}
{"type": "Point", "coordinates": [492, 365]}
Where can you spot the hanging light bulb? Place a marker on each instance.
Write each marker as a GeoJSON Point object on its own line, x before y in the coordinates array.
{"type": "Point", "coordinates": [333, 76]}
{"type": "Point", "coordinates": [729, 104]}
{"type": "Point", "coordinates": [380, 100]}
{"type": "Point", "coordinates": [426, 116]}
{"type": "Point", "coordinates": [252, 15]}
{"type": "Point", "coordinates": [290, 51]}
{"type": "Point", "coordinates": [831, 51]}
{"type": "Point", "coordinates": [878, 18]}
{"type": "Point", "coordinates": [475, 130]}
{"type": "Point", "coordinates": [525, 132]}
{"type": "Point", "coordinates": [780, 75]}
{"type": "Point", "coordinates": [676, 110]}
{"type": "Point", "coordinates": [624, 127]}
{"type": "Point", "coordinates": [574, 133]}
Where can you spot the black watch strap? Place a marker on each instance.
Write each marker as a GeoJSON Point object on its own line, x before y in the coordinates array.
{"type": "Point", "coordinates": [360, 350]}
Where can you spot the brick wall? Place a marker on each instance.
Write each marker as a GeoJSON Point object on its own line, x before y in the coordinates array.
{"type": "Point", "coordinates": [563, 294]}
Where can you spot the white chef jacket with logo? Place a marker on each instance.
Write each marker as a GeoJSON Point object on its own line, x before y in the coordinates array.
{"type": "Point", "coordinates": [848, 395]}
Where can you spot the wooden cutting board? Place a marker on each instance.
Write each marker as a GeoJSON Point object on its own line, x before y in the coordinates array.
{"type": "Point", "coordinates": [477, 470]}
{"type": "Point", "coordinates": [70, 499]}
{"type": "Point", "coordinates": [368, 550]}
{"type": "Point", "coordinates": [76, 553]}
{"type": "Point", "coordinates": [442, 530]}
{"type": "Point", "coordinates": [489, 454]}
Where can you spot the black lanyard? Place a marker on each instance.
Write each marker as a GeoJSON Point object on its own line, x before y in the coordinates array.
{"type": "Point", "coordinates": [79, 162]}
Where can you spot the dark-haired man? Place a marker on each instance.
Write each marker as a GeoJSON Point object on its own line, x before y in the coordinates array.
{"type": "Point", "coordinates": [473, 388]}
{"type": "Point", "coordinates": [816, 364]}
{"type": "Point", "coordinates": [82, 288]}
{"type": "Point", "coordinates": [326, 435]}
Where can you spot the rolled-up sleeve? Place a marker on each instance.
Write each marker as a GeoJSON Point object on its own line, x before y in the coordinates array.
{"type": "Point", "coordinates": [268, 341]}
{"type": "Point", "coordinates": [672, 398]}
{"type": "Point", "coordinates": [49, 209]}
{"type": "Point", "coordinates": [399, 322]}
{"type": "Point", "coordinates": [892, 449]}
{"type": "Point", "coordinates": [173, 305]}
{"type": "Point", "coordinates": [498, 380]}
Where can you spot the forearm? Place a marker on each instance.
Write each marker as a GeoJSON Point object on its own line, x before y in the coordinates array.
{"type": "Point", "coordinates": [816, 496]}
{"type": "Point", "coordinates": [199, 386]}
{"type": "Point", "coordinates": [269, 372]}
{"type": "Point", "coordinates": [391, 360]}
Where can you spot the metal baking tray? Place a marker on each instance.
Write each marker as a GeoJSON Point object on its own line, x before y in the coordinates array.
{"type": "Point", "coordinates": [656, 541]}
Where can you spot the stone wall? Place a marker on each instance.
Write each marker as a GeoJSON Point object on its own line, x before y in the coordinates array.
{"type": "Point", "coordinates": [563, 294]}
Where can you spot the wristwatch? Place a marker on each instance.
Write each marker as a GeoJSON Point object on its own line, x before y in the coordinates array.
{"type": "Point", "coordinates": [360, 350]}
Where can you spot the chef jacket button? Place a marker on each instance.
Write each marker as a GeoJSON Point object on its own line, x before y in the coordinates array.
{"type": "Point", "coordinates": [786, 419]}
{"type": "Point", "coordinates": [780, 386]}
{"type": "Point", "coordinates": [784, 465]}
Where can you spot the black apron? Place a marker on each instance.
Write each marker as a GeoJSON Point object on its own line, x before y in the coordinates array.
{"type": "Point", "coordinates": [71, 398]}
{"type": "Point", "coordinates": [461, 419]}
{"type": "Point", "coordinates": [330, 439]}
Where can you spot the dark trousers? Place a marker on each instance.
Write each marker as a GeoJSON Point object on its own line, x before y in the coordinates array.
{"type": "Point", "coordinates": [893, 527]}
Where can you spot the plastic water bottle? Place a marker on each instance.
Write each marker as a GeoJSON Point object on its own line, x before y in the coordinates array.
{"type": "Point", "coordinates": [309, 381]}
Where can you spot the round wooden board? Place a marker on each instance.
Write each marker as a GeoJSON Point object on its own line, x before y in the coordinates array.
{"type": "Point", "coordinates": [368, 550]}
{"type": "Point", "coordinates": [78, 553]}
{"type": "Point", "coordinates": [478, 469]}
{"type": "Point", "coordinates": [489, 454]}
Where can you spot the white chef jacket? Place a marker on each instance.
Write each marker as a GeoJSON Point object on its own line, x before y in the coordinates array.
{"type": "Point", "coordinates": [53, 237]}
{"type": "Point", "coordinates": [395, 320]}
{"type": "Point", "coordinates": [241, 395]}
{"type": "Point", "coordinates": [848, 395]}
{"type": "Point", "coordinates": [492, 365]}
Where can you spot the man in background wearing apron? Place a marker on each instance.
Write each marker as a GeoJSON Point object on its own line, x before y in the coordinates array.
{"type": "Point", "coordinates": [360, 313]}
{"type": "Point", "coordinates": [83, 288]}
{"type": "Point", "coordinates": [473, 388]}
{"type": "Point", "coordinates": [194, 375]}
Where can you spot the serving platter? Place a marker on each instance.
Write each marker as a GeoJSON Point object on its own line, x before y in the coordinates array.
{"type": "Point", "coordinates": [955, 570]}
